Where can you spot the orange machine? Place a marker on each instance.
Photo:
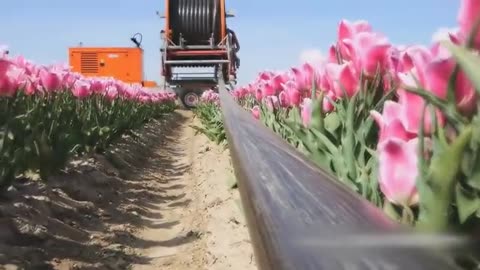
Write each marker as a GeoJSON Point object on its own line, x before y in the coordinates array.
{"type": "Point", "coordinates": [196, 35]}
{"type": "Point", "coordinates": [122, 63]}
{"type": "Point", "coordinates": [195, 38]}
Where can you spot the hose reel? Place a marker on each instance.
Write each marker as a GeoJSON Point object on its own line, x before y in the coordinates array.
{"type": "Point", "coordinates": [195, 21]}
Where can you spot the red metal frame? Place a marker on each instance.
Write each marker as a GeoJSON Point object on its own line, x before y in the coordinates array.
{"type": "Point", "coordinates": [196, 52]}
{"type": "Point", "coordinates": [172, 52]}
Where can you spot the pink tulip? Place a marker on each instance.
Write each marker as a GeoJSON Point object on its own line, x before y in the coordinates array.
{"type": "Point", "coordinates": [440, 51]}
{"type": "Point", "coordinates": [68, 80]}
{"type": "Point", "coordinates": [413, 56]}
{"type": "Point", "coordinates": [97, 86]}
{"type": "Point", "coordinates": [393, 59]}
{"type": "Point", "coordinates": [4, 66]}
{"type": "Point", "coordinates": [50, 80]}
{"type": "Point", "coordinates": [144, 99]}
{"type": "Point", "coordinates": [398, 170]}
{"type": "Point", "coordinates": [32, 86]}
{"type": "Point", "coordinates": [412, 109]}
{"type": "Point", "coordinates": [369, 52]}
{"type": "Point", "coordinates": [324, 80]}
{"type": "Point", "coordinates": [242, 92]}
{"type": "Point", "coordinates": [268, 90]}
{"type": "Point", "coordinates": [306, 111]}
{"type": "Point", "coordinates": [342, 79]}
{"type": "Point", "coordinates": [327, 103]}
{"type": "Point", "coordinates": [8, 87]}
{"type": "Point", "coordinates": [81, 89]}
{"type": "Point", "coordinates": [457, 38]}
{"type": "Point", "coordinates": [388, 81]}
{"type": "Point", "coordinates": [266, 75]}
{"type": "Point", "coordinates": [332, 55]}
{"type": "Point", "coordinates": [347, 31]}
{"type": "Point", "coordinates": [390, 122]}
{"type": "Point", "coordinates": [466, 96]}
{"type": "Point", "coordinates": [256, 112]}
{"type": "Point", "coordinates": [277, 81]}
{"type": "Point", "coordinates": [433, 73]}
{"type": "Point", "coordinates": [111, 92]}
{"type": "Point", "coordinates": [437, 75]}
{"type": "Point", "coordinates": [304, 76]}
{"type": "Point", "coordinates": [258, 95]}
{"type": "Point", "coordinates": [294, 95]}
{"type": "Point", "coordinates": [13, 79]}
{"type": "Point", "coordinates": [19, 73]}
{"type": "Point", "coordinates": [5, 82]}
{"type": "Point", "coordinates": [413, 105]}
{"type": "Point", "coordinates": [468, 15]}
{"type": "Point", "coordinates": [272, 103]}
{"type": "Point", "coordinates": [283, 99]}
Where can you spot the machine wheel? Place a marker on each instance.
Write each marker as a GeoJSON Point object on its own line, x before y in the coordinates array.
{"type": "Point", "coordinates": [189, 99]}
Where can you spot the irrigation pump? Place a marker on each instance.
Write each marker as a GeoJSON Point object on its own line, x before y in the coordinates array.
{"type": "Point", "coordinates": [198, 48]}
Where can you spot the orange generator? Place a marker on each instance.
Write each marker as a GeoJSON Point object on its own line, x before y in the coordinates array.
{"type": "Point", "coordinates": [121, 63]}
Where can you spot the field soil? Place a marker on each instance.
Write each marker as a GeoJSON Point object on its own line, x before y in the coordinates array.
{"type": "Point", "coordinates": [160, 199]}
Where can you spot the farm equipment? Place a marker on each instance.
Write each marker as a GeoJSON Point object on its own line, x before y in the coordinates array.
{"type": "Point", "coordinates": [122, 63]}
{"type": "Point", "coordinates": [198, 49]}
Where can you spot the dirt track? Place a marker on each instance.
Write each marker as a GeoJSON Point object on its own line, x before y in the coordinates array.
{"type": "Point", "coordinates": [160, 201]}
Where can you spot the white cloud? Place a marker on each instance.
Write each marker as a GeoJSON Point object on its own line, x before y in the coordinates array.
{"type": "Point", "coordinates": [312, 56]}
{"type": "Point", "coordinates": [442, 33]}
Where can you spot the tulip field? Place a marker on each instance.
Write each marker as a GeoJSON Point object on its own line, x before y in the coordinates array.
{"type": "Point", "coordinates": [85, 164]}
{"type": "Point", "coordinates": [397, 124]}
{"type": "Point", "coordinates": [49, 114]}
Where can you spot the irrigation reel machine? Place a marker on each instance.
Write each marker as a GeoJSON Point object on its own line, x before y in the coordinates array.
{"type": "Point", "coordinates": [198, 49]}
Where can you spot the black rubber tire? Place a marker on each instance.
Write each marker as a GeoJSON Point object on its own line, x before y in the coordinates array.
{"type": "Point", "coordinates": [188, 94]}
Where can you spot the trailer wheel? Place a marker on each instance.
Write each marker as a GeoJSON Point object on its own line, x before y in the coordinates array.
{"type": "Point", "coordinates": [189, 99]}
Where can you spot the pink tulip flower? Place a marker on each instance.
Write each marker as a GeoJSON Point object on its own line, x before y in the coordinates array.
{"type": "Point", "coordinates": [369, 52]}
{"type": "Point", "coordinates": [294, 96]}
{"type": "Point", "coordinates": [256, 112]}
{"type": "Point", "coordinates": [390, 123]}
{"type": "Point", "coordinates": [304, 76]}
{"type": "Point", "coordinates": [284, 100]}
{"type": "Point", "coordinates": [342, 79]}
{"type": "Point", "coordinates": [306, 111]}
{"type": "Point", "coordinates": [346, 31]}
{"type": "Point", "coordinates": [468, 15]}
{"type": "Point", "coordinates": [81, 89]}
{"type": "Point", "coordinates": [50, 80]}
{"type": "Point", "coordinates": [398, 170]}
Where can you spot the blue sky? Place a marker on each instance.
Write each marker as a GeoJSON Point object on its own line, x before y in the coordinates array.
{"type": "Point", "coordinates": [272, 33]}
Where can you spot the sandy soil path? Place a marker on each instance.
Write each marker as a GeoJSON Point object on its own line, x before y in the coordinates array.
{"type": "Point", "coordinates": [202, 226]}
{"type": "Point", "coordinates": [160, 200]}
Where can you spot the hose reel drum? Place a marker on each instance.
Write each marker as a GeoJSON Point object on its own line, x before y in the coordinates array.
{"type": "Point", "coordinates": [195, 22]}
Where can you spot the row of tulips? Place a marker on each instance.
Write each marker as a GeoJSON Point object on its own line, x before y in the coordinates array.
{"type": "Point", "coordinates": [210, 117]}
{"type": "Point", "coordinates": [49, 114]}
{"type": "Point", "coordinates": [398, 124]}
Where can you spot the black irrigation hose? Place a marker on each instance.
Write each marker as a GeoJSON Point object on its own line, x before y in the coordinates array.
{"type": "Point", "coordinates": [195, 20]}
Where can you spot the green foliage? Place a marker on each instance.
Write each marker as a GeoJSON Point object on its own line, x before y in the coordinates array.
{"type": "Point", "coordinates": [40, 133]}
{"type": "Point", "coordinates": [342, 141]}
{"type": "Point", "coordinates": [448, 185]}
{"type": "Point", "coordinates": [211, 119]}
